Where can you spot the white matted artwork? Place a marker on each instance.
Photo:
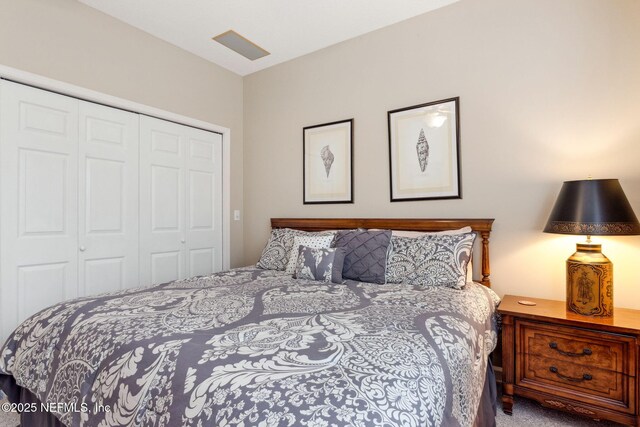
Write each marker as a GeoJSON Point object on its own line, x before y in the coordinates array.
{"type": "Point", "coordinates": [424, 151]}
{"type": "Point", "coordinates": [327, 163]}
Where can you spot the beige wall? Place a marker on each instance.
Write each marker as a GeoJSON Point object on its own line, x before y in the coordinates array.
{"type": "Point", "coordinates": [550, 91]}
{"type": "Point", "coordinates": [68, 41]}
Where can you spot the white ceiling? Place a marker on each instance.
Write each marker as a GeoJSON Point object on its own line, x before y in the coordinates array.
{"type": "Point", "coordinates": [286, 28]}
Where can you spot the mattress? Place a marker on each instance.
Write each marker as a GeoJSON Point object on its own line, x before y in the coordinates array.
{"type": "Point", "coordinates": [255, 347]}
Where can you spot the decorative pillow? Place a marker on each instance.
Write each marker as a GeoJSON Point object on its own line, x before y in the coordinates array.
{"type": "Point", "coordinates": [310, 241]}
{"type": "Point", "coordinates": [365, 254]}
{"type": "Point", "coordinates": [324, 264]}
{"type": "Point", "coordinates": [275, 254]}
{"type": "Point", "coordinates": [416, 234]}
{"type": "Point", "coordinates": [433, 260]}
{"type": "Point", "coordinates": [403, 233]}
{"type": "Point", "coordinates": [407, 233]}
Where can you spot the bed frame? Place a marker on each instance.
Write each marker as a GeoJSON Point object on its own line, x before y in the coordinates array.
{"type": "Point", "coordinates": [481, 226]}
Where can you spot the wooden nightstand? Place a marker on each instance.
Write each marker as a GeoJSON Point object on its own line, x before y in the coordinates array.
{"type": "Point", "coordinates": [585, 365]}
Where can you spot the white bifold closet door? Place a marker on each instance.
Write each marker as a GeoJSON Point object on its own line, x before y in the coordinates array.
{"type": "Point", "coordinates": [68, 200]}
{"type": "Point", "coordinates": [180, 201]}
{"type": "Point", "coordinates": [38, 201]}
{"type": "Point", "coordinates": [108, 199]}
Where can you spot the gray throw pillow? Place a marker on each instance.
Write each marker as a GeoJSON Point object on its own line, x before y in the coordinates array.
{"type": "Point", "coordinates": [311, 241]}
{"type": "Point", "coordinates": [366, 254]}
{"type": "Point", "coordinates": [275, 254]}
{"type": "Point", "coordinates": [323, 264]}
{"type": "Point", "coordinates": [430, 260]}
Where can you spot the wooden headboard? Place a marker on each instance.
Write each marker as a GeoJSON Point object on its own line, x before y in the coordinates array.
{"type": "Point", "coordinates": [481, 226]}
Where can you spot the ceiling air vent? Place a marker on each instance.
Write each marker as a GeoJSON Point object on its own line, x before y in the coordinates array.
{"type": "Point", "coordinates": [241, 45]}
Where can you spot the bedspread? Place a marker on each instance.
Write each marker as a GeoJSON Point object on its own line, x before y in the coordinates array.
{"type": "Point", "coordinates": [254, 347]}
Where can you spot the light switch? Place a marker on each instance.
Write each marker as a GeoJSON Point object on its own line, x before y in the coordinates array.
{"type": "Point", "coordinates": [236, 215]}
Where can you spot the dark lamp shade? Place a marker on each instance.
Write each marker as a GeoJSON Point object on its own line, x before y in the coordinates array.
{"type": "Point", "coordinates": [592, 207]}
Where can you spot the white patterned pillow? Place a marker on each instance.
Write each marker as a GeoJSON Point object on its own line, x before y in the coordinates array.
{"type": "Point", "coordinates": [402, 233]}
{"type": "Point", "coordinates": [275, 254]}
{"type": "Point", "coordinates": [311, 241]}
{"type": "Point", "coordinates": [405, 233]}
{"type": "Point", "coordinates": [431, 260]}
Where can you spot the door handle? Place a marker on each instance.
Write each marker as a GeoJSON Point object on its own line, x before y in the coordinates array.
{"type": "Point", "coordinates": [82, 248]}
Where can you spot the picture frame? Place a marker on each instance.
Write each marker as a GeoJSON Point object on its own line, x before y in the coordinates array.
{"type": "Point", "coordinates": [424, 151]}
{"type": "Point", "coordinates": [327, 166]}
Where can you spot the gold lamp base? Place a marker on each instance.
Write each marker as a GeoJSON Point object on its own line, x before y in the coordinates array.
{"type": "Point", "coordinates": [590, 281]}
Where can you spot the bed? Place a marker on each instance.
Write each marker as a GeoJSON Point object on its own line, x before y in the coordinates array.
{"type": "Point", "coordinates": [253, 346]}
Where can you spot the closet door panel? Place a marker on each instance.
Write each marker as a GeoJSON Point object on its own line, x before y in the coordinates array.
{"type": "Point", "coordinates": [108, 197]}
{"type": "Point", "coordinates": [162, 201]}
{"type": "Point", "coordinates": [38, 201]}
{"type": "Point", "coordinates": [101, 275]}
{"type": "Point", "coordinates": [167, 266]}
{"type": "Point", "coordinates": [39, 286]}
{"type": "Point", "coordinates": [94, 199]}
{"type": "Point", "coordinates": [166, 199]}
{"type": "Point", "coordinates": [204, 205]}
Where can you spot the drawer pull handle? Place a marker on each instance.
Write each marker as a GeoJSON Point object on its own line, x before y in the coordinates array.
{"type": "Point", "coordinates": [585, 377]}
{"type": "Point", "coordinates": [585, 352]}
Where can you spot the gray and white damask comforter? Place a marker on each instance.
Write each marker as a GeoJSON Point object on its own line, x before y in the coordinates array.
{"type": "Point", "coordinates": [252, 347]}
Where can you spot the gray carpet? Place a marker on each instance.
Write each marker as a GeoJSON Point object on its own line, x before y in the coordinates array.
{"type": "Point", "coordinates": [526, 413]}
{"type": "Point", "coordinates": [8, 419]}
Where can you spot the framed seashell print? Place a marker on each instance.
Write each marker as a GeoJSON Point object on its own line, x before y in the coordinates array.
{"type": "Point", "coordinates": [424, 151]}
{"type": "Point", "coordinates": [328, 163]}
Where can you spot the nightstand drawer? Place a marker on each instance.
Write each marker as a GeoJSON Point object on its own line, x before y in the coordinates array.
{"type": "Point", "coordinates": [583, 365]}
{"type": "Point", "coordinates": [607, 387]}
{"type": "Point", "coordinates": [576, 346]}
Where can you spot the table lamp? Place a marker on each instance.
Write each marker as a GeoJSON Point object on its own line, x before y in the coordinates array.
{"type": "Point", "coordinates": [593, 207]}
